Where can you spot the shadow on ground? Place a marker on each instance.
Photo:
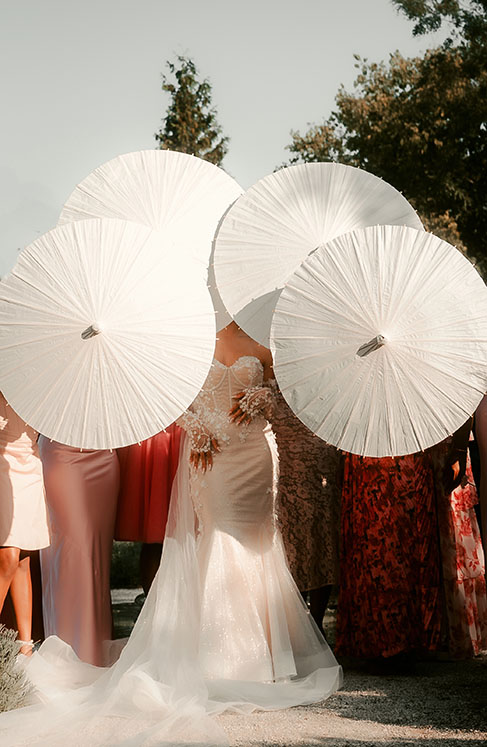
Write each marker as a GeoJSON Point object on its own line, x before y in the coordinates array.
{"type": "Point", "coordinates": [420, 742]}
{"type": "Point", "coordinates": [438, 695]}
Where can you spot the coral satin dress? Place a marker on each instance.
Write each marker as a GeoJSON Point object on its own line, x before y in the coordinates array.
{"type": "Point", "coordinates": [146, 475]}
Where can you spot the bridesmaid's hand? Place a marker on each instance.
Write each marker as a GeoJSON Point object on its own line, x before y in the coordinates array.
{"type": "Point", "coordinates": [204, 459]}
{"type": "Point", "coordinates": [237, 415]}
{"type": "Point", "coordinates": [454, 471]}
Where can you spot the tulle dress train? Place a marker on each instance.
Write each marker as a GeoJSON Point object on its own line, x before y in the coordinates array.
{"type": "Point", "coordinates": [223, 627]}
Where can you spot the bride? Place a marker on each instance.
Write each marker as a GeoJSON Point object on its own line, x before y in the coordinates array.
{"type": "Point", "coordinates": [224, 626]}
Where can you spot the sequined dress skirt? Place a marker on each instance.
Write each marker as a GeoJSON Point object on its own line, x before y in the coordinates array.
{"type": "Point", "coordinates": [254, 624]}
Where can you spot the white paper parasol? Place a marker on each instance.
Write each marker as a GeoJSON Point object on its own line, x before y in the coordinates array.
{"type": "Point", "coordinates": [222, 317]}
{"type": "Point", "coordinates": [161, 189]}
{"type": "Point", "coordinates": [279, 221]}
{"type": "Point", "coordinates": [106, 333]}
{"type": "Point", "coordinates": [380, 341]}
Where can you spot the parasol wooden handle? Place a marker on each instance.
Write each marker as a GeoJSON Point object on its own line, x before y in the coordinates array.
{"type": "Point", "coordinates": [91, 331]}
{"type": "Point", "coordinates": [369, 347]}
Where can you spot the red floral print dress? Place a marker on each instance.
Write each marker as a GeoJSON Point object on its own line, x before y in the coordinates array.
{"type": "Point", "coordinates": [389, 600]}
{"type": "Point", "coordinates": [463, 565]}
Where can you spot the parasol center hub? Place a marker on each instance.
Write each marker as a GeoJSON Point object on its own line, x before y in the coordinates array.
{"type": "Point", "coordinates": [91, 331]}
{"type": "Point", "coordinates": [374, 344]}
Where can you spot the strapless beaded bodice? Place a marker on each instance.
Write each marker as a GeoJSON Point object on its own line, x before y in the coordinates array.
{"type": "Point", "coordinates": [224, 382]}
{"type": "Point", "coordinates": [213, 403]}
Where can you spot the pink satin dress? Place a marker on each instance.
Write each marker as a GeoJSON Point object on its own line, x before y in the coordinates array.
{"type": "Point", "coordinates": [23, 516]}
{"type": "Point", "coordinates": [81, 494]}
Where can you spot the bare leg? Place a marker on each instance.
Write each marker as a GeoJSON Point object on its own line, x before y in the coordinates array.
{"type": "Point", "coordinates": [15, 575]}
{"type": "Point", "coordinates": [150, 558]}
{"type": "Point", "coordinates": [21, 593]}
{"type": "Point", "coordinates": [9, 563]}
{"type": "Point", "coordinates": [318, 601]}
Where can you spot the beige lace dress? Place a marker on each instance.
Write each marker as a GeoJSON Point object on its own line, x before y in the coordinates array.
{"type": "Point", "coordinates": [310, 483]}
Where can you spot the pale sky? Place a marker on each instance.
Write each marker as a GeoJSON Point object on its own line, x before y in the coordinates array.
{"type": "Point", "coordinates": [81, 84]}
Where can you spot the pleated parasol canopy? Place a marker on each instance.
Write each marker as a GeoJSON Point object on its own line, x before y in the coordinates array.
{"type": "Point", "coordinates": [161, 189]}
{"type": "Point", "coordinates": [106, 332]}
{"type": "Point", "coordinates": [380, 341]}
{"type": "Point", "coordinates": [285, 216]}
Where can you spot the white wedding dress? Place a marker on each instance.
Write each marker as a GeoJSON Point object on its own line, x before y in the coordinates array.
{"type": "Point", "coordinates": [224, 626]}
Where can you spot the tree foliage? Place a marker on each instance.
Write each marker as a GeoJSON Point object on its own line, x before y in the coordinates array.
{"type": "Point", "coordinates": [190, 124]}
{"type": "Point", "coordinates": [467, 20]}
{"type": "Point", "coordinates": [421, 124]}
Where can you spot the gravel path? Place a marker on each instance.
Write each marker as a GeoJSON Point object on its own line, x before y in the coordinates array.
{"type": "Point", "coordinates": [432, 704]}
{"type": "Point", "coordinates": [438, 704]}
